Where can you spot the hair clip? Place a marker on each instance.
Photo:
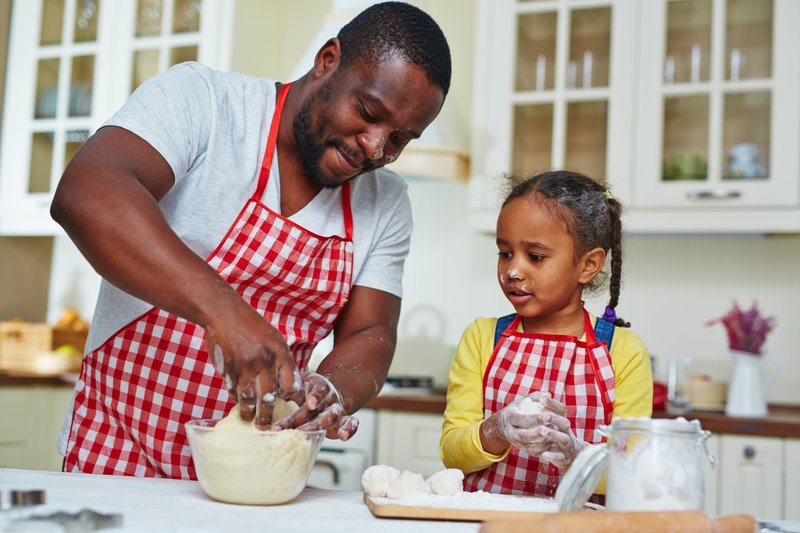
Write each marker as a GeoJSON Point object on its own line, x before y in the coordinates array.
{"type": "Point", "coordinates": [610, 315]}
{"type": "Point", "coordinates": [607, 194]}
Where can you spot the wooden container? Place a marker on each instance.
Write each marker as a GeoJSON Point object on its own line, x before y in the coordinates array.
{"type": "Point", "coordinates": [71, 337]}
{"type": "Point", "coordinates": [20, 342]}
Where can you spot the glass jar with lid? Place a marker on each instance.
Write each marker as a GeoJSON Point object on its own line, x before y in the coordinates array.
{"type": "Point", "coordinates": [652, 465]}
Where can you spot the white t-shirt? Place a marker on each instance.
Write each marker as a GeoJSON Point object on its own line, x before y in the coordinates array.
{"type": "Point", "coordinates": [212, 127]}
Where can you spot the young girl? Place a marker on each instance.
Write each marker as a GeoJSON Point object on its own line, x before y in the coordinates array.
{"type": "Point", "coordinates": [554, 233]}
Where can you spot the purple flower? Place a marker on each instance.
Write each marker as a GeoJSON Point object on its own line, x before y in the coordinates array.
{"type": "Point", "coordinates": [747, 330]}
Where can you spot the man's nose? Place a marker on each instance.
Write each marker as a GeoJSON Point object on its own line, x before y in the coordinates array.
{"type": "Point", "coordinates": [373, 144]}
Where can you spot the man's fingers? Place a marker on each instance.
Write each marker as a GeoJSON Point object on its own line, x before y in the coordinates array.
{"type": "Point", "coordinates": [248, 395]}
{"type": "Point", "coordinates": [266, 400]}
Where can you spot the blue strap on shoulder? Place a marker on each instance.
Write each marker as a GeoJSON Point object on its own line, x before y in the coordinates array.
{"type": "Point", "coordinates": [502, 324]}
{"type": "Point", "coordinates": [604, 331]}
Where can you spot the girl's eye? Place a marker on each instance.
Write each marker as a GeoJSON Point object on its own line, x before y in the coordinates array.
{"type": "Point", "coordinates": [536, 257]}
{"type": "Point", "coordinates": [504, 255]}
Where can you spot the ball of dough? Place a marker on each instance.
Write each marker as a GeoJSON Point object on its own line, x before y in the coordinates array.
{"type": "Point", "coordinates": [448, 482]}
{"type": "Point", "coordinates": [529, 406]}
{"type": "Point", "coordinates": [407, 484]}
{"type": "Point", "coordinates": [377, 479]}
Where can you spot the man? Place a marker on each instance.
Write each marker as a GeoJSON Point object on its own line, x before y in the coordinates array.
{"type": "Point", "coordinates": [246, 219]}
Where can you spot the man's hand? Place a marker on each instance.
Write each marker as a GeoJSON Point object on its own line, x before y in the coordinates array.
{"type": "Point", "coordinates": [321, 407]}
{"type": "Point", "coordinates": [254, 361]}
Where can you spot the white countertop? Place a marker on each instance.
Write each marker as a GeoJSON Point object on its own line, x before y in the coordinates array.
{"type": "Point", "coordinates": [168, 505]}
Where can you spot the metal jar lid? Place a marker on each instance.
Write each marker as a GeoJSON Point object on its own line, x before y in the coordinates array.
{"type": "Point", "coordinates": [655, 425]}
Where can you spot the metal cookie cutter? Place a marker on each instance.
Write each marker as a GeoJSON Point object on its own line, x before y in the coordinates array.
{"type": "Point", "coordinates": [12, 499]}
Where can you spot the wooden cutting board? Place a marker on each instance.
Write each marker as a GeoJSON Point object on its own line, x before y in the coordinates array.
{"type": "Point", "coordinates": [393, 510]}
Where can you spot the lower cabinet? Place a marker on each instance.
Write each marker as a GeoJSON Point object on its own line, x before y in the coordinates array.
{"type": "Point", "coordinates": [791, 496]}
{"type": "Point", "coordinates": [409, 441]}
{"type": "Point", "coordinates": [31, 419]}
{"type": "Point", "coordinates": [752, 476]}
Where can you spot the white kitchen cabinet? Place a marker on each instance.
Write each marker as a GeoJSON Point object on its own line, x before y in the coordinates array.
{"type": "Point", "coordinates": [71, 64]}
{"type": "Point", "coordinates": [409, 441]}
{"type": "Point", "coordinates": [718, 116]}
{"type": "Point", "coordinates": [552, 89]}
{"type": "Point", "coordinates": [751, 477]}
{"type": "Point", "coordinates": [31, 418]}
{"type": "Point", "coordinates": [675, 89]}
{"type": "Point", "coordinates": [791, 497]}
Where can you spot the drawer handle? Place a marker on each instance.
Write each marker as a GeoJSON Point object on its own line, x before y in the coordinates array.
{"type": "Point", "coordinates": [713, 195]}
{"type": "Point", "coordinates": [749, 452]}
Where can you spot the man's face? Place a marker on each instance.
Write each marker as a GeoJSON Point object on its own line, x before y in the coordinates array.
{"type": "Point", "coordinates": [362, 117]}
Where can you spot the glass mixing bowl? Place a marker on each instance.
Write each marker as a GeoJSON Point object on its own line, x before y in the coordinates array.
{"type": "Point", "coordinates": [249, 466]}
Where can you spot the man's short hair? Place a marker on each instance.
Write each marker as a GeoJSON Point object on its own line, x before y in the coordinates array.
{"type": "Point", "coordinates": [392, 28]}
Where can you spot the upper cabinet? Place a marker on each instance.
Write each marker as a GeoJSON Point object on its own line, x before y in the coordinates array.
{"type": "Point", "coordinates": [689, 109]}
{"type": "Point", "coordinates": [71, 64]}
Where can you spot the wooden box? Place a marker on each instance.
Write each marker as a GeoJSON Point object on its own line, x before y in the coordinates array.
{"type": "Point", "coordinates": [20, 342]}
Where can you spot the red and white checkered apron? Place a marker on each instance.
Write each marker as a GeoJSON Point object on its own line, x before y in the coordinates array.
{"type": "Point", "coordinates": [577, 373]}
{"type": "Point", "coordinates": [138, 389]}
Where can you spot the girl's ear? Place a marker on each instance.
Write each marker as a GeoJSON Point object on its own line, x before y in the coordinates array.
{"type": "Point", "coordinates": [327, 58]}
{"type": "Point", "coordinates": [591, 263]}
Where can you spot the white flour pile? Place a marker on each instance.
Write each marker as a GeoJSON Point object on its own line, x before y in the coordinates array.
{"type": "Point", "coordinates": [238, 463]}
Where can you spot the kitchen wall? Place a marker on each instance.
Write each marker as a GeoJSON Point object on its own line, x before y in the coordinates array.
{"type": "Point", "coordinates": [672, 285]}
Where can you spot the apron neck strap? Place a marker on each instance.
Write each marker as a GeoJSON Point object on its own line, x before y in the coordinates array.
{"type": "Point", "coordinates": [272, 140]}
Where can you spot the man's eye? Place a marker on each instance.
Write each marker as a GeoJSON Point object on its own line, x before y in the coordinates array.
{"type": "Point", "coordinates": [367, 115]}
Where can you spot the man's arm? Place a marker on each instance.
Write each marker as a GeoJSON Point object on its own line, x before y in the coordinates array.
{"type": "Point", "coordinates": [107, 201]}
{"type": "Point", "coordinates": [365, 338]}
{"type": "Point", "coordinates": [353, 373]}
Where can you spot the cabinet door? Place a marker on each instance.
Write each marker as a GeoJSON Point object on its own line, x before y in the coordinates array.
{"type": "Point", "coordinates": [51, 97]}
{"type": "Point", "coordinates": [409, 441]}
{"type": "Point", "coordinates": [751, 479]}
{"type": "Point", "coordinates": [553, 81]}
{"type": "Point", "coordinates": [16, 437]}
{"type": "Point", "coordinates": [718, 119]}
{"type": "Point", "coordinates": [71, 64]}
{"type": "Point", "coordinates": [791, 499]}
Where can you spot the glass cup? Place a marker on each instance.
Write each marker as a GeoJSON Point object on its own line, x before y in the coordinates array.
{"type": "Point", "coordinates": [678, 401]}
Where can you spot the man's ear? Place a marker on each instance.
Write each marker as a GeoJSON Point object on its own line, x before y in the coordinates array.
{"type": "Point", "coordinates": [327, 59]}
{"type": "Point", "coordinates": [591, 263]}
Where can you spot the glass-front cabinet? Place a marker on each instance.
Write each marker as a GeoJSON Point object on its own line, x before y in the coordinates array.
{"type": "Point", "coordinates": [551, 91]}
{"type": "Point", "coordinates": [689, 109]}
{"type": "Point", "coordinates": [718, 109]}
{"type": "Point", "coordinates": [71, 64]}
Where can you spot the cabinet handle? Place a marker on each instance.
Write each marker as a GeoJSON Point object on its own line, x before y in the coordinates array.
{"type": "Point", "coordinates": [713, 195]}
{"type": "Point", "coordinates": [327, 464]}
{"type": "Point", "coordinates": [749, 452]}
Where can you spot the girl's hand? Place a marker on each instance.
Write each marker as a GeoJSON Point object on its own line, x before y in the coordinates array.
{"type": "Point", "coordinates": [521, 424]}
{"type": "Point", "coordinates": [562, 446]}
{"type": "Point", "coordinates": [321, 407]}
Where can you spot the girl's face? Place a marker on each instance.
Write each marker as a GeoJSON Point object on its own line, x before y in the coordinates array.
{"type": "Point", "coordinates": [536, 266]}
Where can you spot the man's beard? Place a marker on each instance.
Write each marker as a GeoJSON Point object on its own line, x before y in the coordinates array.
{"type": "Point", "coordinates": [305, 134]}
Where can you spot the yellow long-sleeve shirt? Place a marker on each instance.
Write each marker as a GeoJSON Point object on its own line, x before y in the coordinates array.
{"type": "Point", "coordinates": [460, 444]}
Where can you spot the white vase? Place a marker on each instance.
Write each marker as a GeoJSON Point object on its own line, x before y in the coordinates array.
{"type": "Point", "coordinates": [752, 376]}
